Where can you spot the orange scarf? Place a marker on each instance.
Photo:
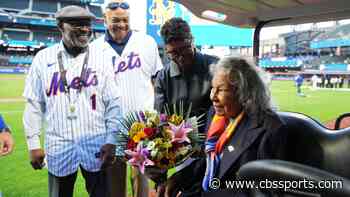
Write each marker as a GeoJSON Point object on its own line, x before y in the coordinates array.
{"type": "Point", "coordinates": [218, 136]}
{"type": "Point", "coordinates": [217, 128]}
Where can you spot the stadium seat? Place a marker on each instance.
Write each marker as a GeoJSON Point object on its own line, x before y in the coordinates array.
{"type": "Point", "coordinates": [45, 6]}
{"type": "Point", "coordinates": [46, 37]}
{"type": "Point", "coordinates": [96, 10]}
{"type": "Point", "coordinates": [68, 3]}
{"type": "Point", "coordinates": [313, 152]}
{"type": "Point", "coordinates": [15, 5]}
{"type": "Point", "coordinates": [15, 35]}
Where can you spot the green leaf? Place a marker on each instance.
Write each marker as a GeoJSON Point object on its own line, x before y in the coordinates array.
{"type": "Point", "coordinates": [174, 109]}
{"type": "Point", "coordinates": [188, 111]}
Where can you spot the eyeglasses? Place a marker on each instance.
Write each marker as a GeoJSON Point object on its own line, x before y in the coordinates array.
{"type": "Point", "coordinates": [78, 25]}
{"type": "Point", "coordinates": [181, 51]}
{"type": "Point", "coordinates": [220, 90]}
{"type": "Point", "coordinates": [116, 5]}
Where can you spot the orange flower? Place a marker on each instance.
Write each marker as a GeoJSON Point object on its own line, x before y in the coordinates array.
{"type": "Point", "coordinates": [139, 136]}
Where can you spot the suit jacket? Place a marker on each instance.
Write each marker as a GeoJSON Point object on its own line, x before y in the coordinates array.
{"type": "Point", "coordinates": [191, 87]}
{"type": "Point", "coordinates": [255, 138]}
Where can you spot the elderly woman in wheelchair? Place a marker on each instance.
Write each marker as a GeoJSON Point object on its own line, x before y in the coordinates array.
{"type": "Point", "coordinates": [248, 141]}
{"type": "Point", "coordinates": [242, 125]}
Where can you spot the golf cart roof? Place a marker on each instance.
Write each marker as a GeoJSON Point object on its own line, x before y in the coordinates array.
{"type": "Point", "coordinates": [249, 13]}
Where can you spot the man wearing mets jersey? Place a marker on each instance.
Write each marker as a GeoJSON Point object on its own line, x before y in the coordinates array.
{"type": "Point", "coordinates": [76, 96]}
{"type": "Point", "coordinates": [135, 59]}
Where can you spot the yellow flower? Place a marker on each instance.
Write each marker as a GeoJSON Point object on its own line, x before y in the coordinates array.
{"type": "Point", "coordinates": [148, 114]}
{"type": "Point", "coordinates": [166, 133]}
{"type": "Point", "coordinates": [153, 121]}
{"type": "Point", "coordinates": [136, 127]}
{"type": "Point", "coordinates": [139, 136]}
{"type": "Point", "coordinates": [136, 138]}
{"type": "Point", "coordinates": [158, 141]}
{"type": "Point", "coordinates": [167, 144]}
{"type": "Point", "coordinates": [175, 119]}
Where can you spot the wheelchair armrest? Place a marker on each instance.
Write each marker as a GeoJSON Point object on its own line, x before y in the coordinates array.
{"type": "Point", "coordinates": [277, 170]}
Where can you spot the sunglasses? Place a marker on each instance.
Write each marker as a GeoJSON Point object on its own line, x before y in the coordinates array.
{"type": "Point", "coordinates": [180, 51]}
{"type": "Point", "coordinates": [116, 5]}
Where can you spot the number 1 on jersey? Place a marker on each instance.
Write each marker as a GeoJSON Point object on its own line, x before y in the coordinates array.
{"type": "Point", "coordinates": [93, 101]}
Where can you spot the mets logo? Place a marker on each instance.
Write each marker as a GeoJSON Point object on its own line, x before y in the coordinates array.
{"type": "Point", "coordinates": [161, 11]}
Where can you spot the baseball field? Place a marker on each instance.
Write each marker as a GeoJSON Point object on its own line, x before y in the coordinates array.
{"type": "Point", "coordinates": [18, 179]}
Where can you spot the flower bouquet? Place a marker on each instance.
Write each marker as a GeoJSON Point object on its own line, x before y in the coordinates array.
{"type": "Point", "coordinates": [160, 140]}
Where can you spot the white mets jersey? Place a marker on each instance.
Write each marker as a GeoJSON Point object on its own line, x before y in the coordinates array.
{"type": "Point", "coordinates": [78, 122]}
{"type": "Point", "coordinates": [133, 69]}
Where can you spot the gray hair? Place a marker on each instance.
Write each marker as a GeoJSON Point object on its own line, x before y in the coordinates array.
{"type": "Point", "coordinates": [106, 2]}
{"type": "Point", "coordinates": [250, 87]}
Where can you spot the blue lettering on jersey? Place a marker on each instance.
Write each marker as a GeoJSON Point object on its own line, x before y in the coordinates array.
{"type": "Point", "coordinates": [57, 83]}
{"type": "Point", "coordinates": [132, 61]}
{"type": "Point", "coordinates": [49, 65]}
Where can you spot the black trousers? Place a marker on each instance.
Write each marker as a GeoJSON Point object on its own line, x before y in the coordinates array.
{"type": "Point", "coordinates": [95, 184]}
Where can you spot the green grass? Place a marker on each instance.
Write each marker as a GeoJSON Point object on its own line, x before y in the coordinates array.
{"type": "Point", "coordinates": [11, 85]}
{"type": "Point", "coordinates": [323, 105]}
{"type": "Point", "coordinates": [18, 179]}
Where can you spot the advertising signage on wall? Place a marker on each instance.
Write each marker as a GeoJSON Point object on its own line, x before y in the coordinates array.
{"type": "Point", "coordinates": [13, 70]}
{"type": "Point", "coordinates": [205, 32]}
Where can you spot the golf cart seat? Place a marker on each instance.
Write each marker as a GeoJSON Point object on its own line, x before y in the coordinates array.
{"type": "Point", "coordinates": [313, 152]}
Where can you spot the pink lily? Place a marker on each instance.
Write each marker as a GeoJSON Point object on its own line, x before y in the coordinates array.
{"type": "Point", "coordinates": [179, 133]}
{"type": "Point", "coordinates": [139, 158]}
